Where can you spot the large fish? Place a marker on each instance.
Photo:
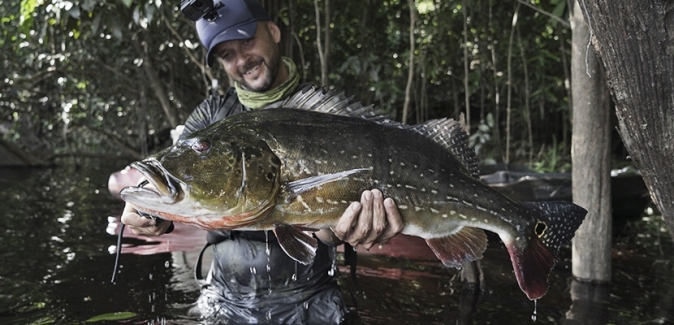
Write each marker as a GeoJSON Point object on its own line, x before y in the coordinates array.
{"type": "Point", "coordinates": [292, 171]}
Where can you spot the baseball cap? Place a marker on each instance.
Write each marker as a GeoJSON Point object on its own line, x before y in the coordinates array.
{"type": "Point", "coordinates": [235, 20]}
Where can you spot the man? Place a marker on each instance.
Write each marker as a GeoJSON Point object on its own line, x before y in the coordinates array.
{"type": "Point", "coordinates": [251, 279]}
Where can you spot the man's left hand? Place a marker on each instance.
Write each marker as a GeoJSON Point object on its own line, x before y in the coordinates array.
{"type": "Point", "coordinates": [373, 220]}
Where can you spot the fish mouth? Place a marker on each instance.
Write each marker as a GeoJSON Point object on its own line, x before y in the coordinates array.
{"type": "Point", "coordinates": [167, 187]}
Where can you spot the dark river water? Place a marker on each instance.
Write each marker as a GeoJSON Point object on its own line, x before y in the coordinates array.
{"type": "Point", "coordinates": [57, 238]}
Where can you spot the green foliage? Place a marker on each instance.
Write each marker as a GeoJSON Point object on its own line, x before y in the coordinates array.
{"type": "Point", "coordinates": [556, 158]}
{"type": "Point", "coordinates": [77, 77]}
{"type": "Point", "coordinates": [480, 140]}
{"type": "Point", "coordinates": [122, 315]}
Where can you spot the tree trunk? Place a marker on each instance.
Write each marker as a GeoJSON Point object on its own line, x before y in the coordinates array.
{"type": "Point", "coordinates": [410, 69]}
{"type": "Point", "coordinates": [156, 84]}
{"type": "Point", "coordinates": [466, 84]}
{"type": "Point", "coordinates": [496, 133]}
{"type": "Point", "coordinates": [323, 48]}
{"type": "Point", "coordinates": [510, 84]}
{"type": "Point", "coordinates": [326, 46]}
{"type": "Point", "coordinates": [591, 159]}
{"type": "Point", "coordinates": [635, 40]}
{"type": "Point", "coordinates": [527, 98]}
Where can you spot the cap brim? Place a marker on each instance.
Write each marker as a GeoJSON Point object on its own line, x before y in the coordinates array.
{"type": "Point", "coordinates": [243, 31]}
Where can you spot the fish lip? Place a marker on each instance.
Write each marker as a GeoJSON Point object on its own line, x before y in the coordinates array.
{"type": "Point", "coordinates": [165, 184]}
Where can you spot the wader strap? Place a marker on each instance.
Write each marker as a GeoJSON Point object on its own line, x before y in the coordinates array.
{"type": "Point", "coordinates": [350, 259]}
{"type": "Point", "coordinates": [198, 276]}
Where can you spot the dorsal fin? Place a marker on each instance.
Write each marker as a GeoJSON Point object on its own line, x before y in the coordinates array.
{"type": "Point", "coordinates": [447, 133]}
{"type": "Point", "coordinates": [450, 135]}
{"type": "Point", "coordinates": [320, 100]}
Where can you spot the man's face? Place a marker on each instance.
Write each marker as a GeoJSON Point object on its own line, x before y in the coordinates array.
{"type": "Point", "coordinates": [253, 63]}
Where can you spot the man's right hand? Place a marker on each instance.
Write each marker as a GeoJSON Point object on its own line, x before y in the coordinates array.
{"type": "Point", "coordinates": [141, 225]}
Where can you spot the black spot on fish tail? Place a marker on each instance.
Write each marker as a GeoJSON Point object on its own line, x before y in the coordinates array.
{"type": "Point", "coordinates": [557, 222]}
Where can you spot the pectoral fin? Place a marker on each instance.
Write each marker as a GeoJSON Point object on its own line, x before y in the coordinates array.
{"type": "Point", "coordinates": [467, 245]}
{"type": "Point", "coordinates": [296, 243]}
{"type": "Point", "coordinates": [300, 186]}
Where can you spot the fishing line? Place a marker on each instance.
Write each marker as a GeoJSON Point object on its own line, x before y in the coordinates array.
{"type": "Point", "coordinates": [118, 253]}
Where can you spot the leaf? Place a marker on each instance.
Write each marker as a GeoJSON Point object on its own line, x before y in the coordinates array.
{"type": "Point", "coordinates": [74, 12]}
{"type": "Point", "coordinates": [558, 12]}
{"type": "Point", "coordinates": [111, 316]}
{"type": "Point", "coordinates": [44, 321]}
{"type": "Point", "coordinates": [127, 3]}
{"type": "Point", "coordinates": [88, 5]}
{"type": "Point", "coordinates": [136, 14]}
{"type": "Point", "coordinates": [490, 120]}
{"type": "Point", "coordinates": [95, 23]}
{"type": "Point", "coordinates": [149, 12]}
{"type": "Point", "coordinates": [26, 17]}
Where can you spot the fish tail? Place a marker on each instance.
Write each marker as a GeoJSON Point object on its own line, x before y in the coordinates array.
{"type": "Point", "coordinates": [534, 251]}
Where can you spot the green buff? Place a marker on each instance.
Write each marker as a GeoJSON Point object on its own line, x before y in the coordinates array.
{"type": "Point", "coordinates": [254, 100]}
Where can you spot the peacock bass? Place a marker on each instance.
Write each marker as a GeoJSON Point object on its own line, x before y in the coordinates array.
{"type": "Point", "coordinates": [295, 170]}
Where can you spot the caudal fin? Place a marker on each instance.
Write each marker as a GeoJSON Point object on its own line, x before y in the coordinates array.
{"type": "Point", "coordinates": [536, 254]}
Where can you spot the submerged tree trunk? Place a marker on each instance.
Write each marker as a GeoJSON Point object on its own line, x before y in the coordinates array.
{"type": "Point", "coordinates": [591, 158]}
{"type": "Point", "coordinates": [635, 40]}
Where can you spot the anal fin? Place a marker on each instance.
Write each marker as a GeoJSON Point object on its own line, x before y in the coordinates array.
{"type": "Point", "coordinates": [296, 243]}
{"type": "Point", "coordinates": [467, 245]}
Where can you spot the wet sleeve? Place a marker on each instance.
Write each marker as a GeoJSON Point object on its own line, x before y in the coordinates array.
{"type": "Point", "coordinates": [211, 110]}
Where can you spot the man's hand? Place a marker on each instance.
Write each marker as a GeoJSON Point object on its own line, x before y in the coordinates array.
{"type": "Point", "coordinates": [373, 220]}
{"type": "Point", "coordinates": [130, 217]}
{"type": "Point", "coordinates": [144, 226]}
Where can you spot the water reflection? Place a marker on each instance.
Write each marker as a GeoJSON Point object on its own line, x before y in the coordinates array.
{"type": "Point", "coordinates": [57, 225]}
{"type": "Point", "coordinates": [590, 303]}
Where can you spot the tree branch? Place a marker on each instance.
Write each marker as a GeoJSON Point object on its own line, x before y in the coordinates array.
{"type": "Point", "coordinates": [205, 71]}
{"type": "Point", "coordinates": [112, 138]}
{"type": "Point", "coordinates": [155, 83]}
{"type": "Point", "coordinates": [559, 20]}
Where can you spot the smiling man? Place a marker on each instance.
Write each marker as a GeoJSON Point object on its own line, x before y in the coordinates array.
{"type": "Point", "coordinates": [251, 279]}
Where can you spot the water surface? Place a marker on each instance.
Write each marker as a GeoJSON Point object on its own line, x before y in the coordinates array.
{"type": "Point", "coordinates": [57, 234]}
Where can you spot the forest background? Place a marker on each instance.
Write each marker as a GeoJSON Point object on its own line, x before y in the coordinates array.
{"type": "Point", "coordinates": [90, 78]}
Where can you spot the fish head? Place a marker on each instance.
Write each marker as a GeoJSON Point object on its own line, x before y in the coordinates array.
{"type": "Point", "coordinates": [213, 182]}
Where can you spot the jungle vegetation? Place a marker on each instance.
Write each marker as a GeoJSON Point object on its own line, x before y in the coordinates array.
{"type": "Point", "coordinates": [102, 78]}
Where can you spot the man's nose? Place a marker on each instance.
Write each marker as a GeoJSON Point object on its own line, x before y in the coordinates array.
{"type": "Point", "coordinates": [242, 60]}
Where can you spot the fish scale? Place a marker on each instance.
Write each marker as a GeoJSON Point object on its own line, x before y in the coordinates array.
{"type": "Point", "coordinates": [404, 185]}
{"type": "Point", "coordinates": [291, 170]}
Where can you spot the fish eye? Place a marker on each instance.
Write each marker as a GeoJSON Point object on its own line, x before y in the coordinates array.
{"type": "Point", "coordinates": [202, 146]}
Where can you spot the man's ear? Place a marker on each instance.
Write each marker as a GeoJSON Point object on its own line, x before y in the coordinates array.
{"type": "Point", "coordinates": [275, 31]}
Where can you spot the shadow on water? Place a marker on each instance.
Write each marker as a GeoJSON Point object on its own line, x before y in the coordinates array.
{"type": "Point", "coordinates": [55, 244]}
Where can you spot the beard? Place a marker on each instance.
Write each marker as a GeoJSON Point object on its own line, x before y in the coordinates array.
{"type": "Point", "coordinates": [271, 71]}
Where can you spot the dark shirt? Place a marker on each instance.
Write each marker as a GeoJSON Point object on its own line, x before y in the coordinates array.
{"type": "Point", "coordinates": [251, 279]}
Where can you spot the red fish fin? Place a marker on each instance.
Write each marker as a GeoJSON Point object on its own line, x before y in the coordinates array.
{"type": "Point", "coordinates": [296, 243]}
{"type": "Point", "coordinates": [532, 266]}
{"type": "Point", "coordinates": [467, 245]}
